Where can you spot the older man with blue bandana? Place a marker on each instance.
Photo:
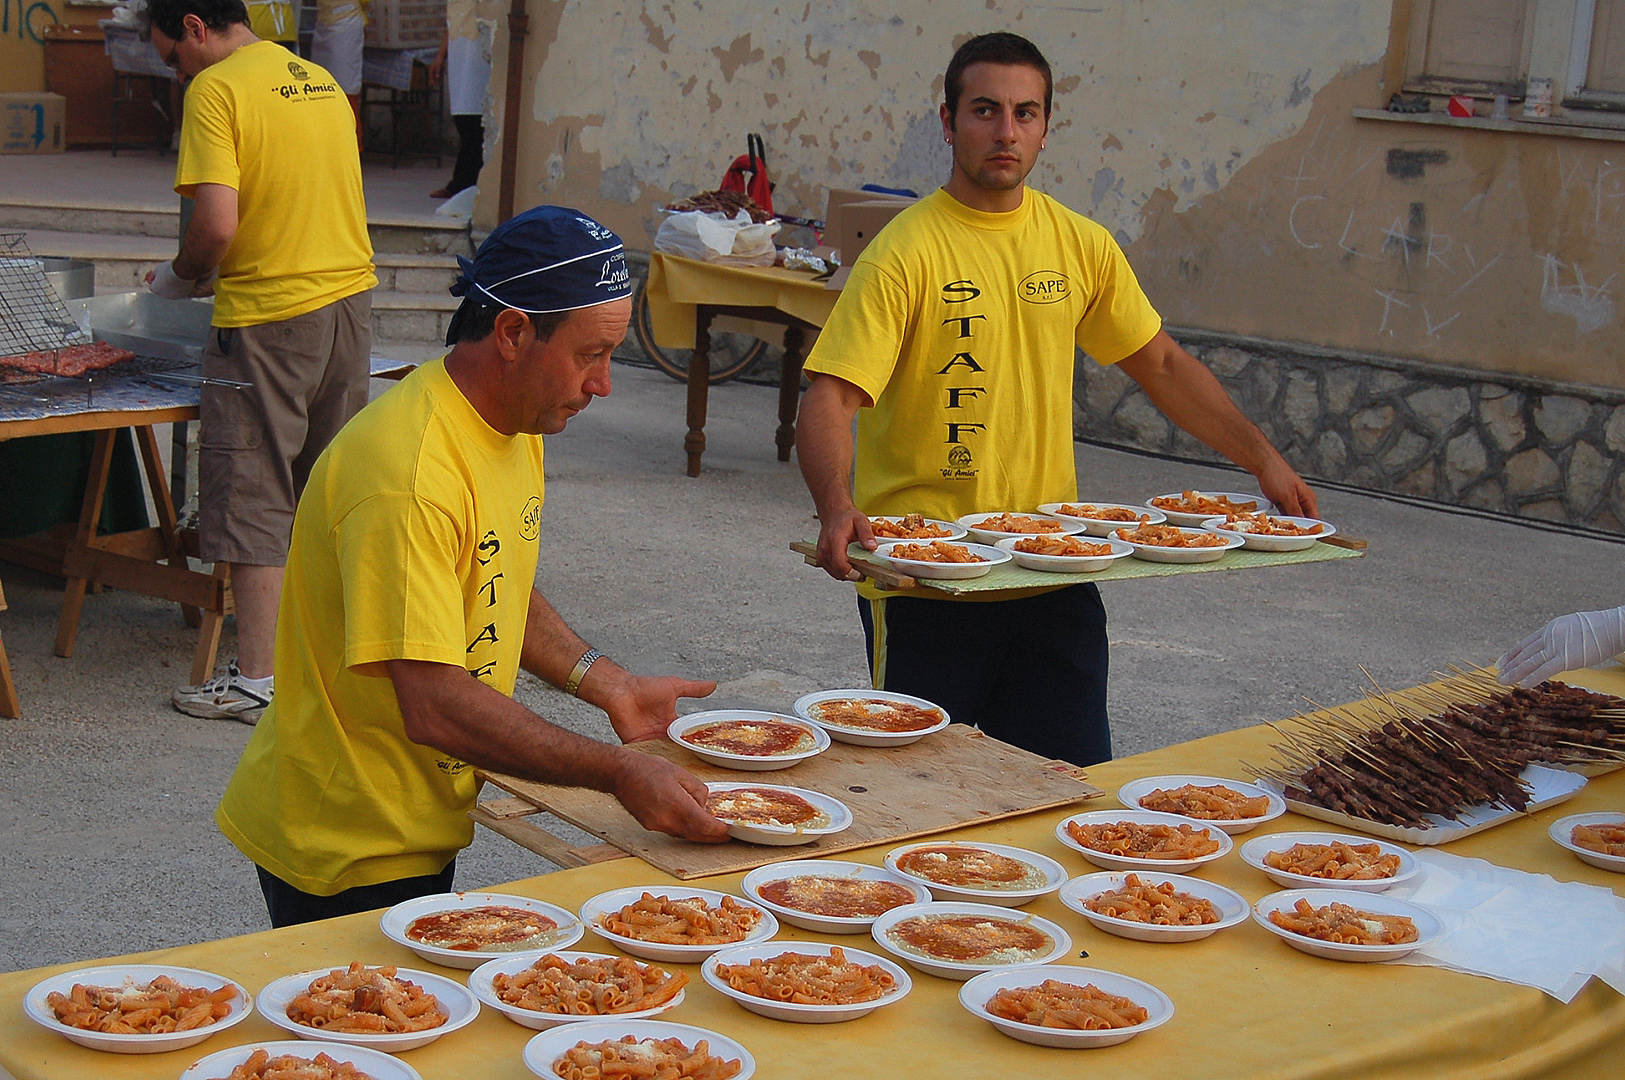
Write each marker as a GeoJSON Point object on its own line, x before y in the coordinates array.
{"type": "Point", "coordinates": [409, 608]}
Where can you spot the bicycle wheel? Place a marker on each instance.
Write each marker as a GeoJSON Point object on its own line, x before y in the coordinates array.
{"type": "Point", "coordinates": [731, 354]}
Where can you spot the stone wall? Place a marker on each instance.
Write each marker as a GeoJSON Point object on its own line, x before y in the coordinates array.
{"type": "Point", "coordinates": [1519, 446]}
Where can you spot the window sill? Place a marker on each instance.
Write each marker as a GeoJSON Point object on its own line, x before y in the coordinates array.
{"type": "Point", "coordinates": [1566, 126]}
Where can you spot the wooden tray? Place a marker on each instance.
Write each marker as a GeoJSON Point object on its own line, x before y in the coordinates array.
{"type": "Point", "coordinates": [956, 777]}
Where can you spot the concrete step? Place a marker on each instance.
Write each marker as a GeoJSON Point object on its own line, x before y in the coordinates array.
{"type": "Point", "coordinates": [419, 318]}
{"type": "Point", "coordinates": [395, 236]}
{"type": "Point", "coordinates": [122, 261]}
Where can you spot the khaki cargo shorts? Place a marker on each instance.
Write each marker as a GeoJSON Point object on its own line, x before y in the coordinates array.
{"type": "Point", "coordinates": [256, 446]}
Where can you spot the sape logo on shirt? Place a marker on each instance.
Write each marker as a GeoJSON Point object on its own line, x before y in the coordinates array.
{"type": "Point", "coordinates": [1044, 287]}
{"type": "Point", "coordinates": [480, 662]}
{"type": "Point", "coordinates": [530, 519]}
{"type": "Point", "coordinates": [962, 390]}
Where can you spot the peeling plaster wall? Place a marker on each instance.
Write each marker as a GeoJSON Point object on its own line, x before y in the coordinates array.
{"type": "Point", "coordinates": [1214, 140]}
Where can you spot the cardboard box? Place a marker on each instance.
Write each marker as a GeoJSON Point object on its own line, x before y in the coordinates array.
{"type": "Point", "coordinates": [839, 199]}
{"type": "Point", "coordinates": [31, 123]}
{"type": "Point", "coordinates": [858, 223]}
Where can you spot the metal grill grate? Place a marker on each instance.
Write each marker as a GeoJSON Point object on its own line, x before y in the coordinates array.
{"type": "Point", "coordinates": [32, 317]}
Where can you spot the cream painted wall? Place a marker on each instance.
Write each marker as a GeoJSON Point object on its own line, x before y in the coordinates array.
{"type": "Point", "coordinates": [1216, 140]}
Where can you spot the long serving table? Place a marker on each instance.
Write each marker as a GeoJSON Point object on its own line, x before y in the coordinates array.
{"type": "Point", "coordinates": [686, 294]}
{"type": "Point", "coordinates": [1246, 1004]}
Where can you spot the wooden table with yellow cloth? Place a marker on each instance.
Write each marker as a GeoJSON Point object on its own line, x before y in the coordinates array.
{"type": "Point", "coordinates": [1246, 1005]}
{"type": "Point", "coordinates": [684, 295]}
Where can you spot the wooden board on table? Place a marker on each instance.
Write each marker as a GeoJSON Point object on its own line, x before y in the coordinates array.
{"type": "Point", "coordinates": [956, 777]}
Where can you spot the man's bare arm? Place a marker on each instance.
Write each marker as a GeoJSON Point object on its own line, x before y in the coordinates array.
{"type": "Point", "coordinates": [639, 707]}
{"type": "Point", "coordinates": [1188, 394]}
{"type": "Point", "coordinates": [447, 708]}
{"type": "Point", "coordinates": [209, 233]}
{"type": "Point", "coordinates": [824, 450]}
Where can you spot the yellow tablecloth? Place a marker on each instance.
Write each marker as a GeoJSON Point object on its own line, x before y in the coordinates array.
{"type": "Point", "coordinates": [1246, 1004]}
{"type": "Point", "coordinates": [677, 284]}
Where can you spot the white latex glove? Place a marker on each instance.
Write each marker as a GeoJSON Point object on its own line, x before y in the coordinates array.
{"type": "Point", "coordinates": [1584, 639]}
{"type": "Point", "coordinates": [165, 284]}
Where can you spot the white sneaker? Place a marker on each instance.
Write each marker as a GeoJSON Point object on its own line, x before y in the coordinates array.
{"type": "Point", "coordinates": [224, 697]}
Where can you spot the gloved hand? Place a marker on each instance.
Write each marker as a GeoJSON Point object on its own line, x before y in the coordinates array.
{"type": "Point", "coordinates": [164, 283]}
{"type": "Point", "coordinates": [1584, 639]}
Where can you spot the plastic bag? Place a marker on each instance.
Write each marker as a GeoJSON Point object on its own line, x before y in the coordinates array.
{"type": "Point", "coordinates": [714, 238]}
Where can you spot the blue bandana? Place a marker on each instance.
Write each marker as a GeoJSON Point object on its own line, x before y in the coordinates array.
{"type": "Point", "coordinates": [548, 259]}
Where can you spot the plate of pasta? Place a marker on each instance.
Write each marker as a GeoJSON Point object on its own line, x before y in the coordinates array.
{"type": "Point", "coordinates": [1307, 860]}
{"type": "Point", "coordinates": [990, 528]}
{"type": "Point", "coordinates": [828, 896]}
{"type": "Point", "coordinates": [465, 929]}
{"type": "Point", "coordinates": [776, 815]}
{"type": "Point", "coordinates": [1194, 507]}
{"type": "Point", "coordinates": [749, 740]}
{"type": "Point", "coordinates": [1064, 554]}
{"type": "Point", "coordinates": [806, 982]}
{"type": "Point", "coordinates": [955, 940]}
{"type": "Point", "coordinates": [637, 1048]}
{"type": "Point", "coordinates": [1148, 905]}
{"type": "Point", "coordinates": [1596, 838]}
{"type": "Point", "coordinates": [941, 559]}
{"type": "Point", "coordinates": [1099, 519]}
{"type": "Point", "coordinates": [872, 717]}
{"type": "Point", "coordinates": [981, 873]}
{"type": "Point", "coordinates": [1231, 805]}
{"type": "Point", "coordinates": [1341, 924]}
{"type": "Point", "coordinates": [137, 1008]}
{"type": "Point", "coordinates": [1143, 840]}
{"type": "Point", "coordinates": [386, 1008]}
{"type": "Point", "coordinates": [676, 923]}
{"type": "Point", "coordinates": [302, 1059]}
{"type": "Point", "coordinates": [1066, 1007]}
{"type": "Point", "coordinates": [1269, 532]}
{"type": "Point", "coordinates": [573, 987]}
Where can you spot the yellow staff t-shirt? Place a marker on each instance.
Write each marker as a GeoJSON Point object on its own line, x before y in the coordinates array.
{"type": "Point", "coordinates": [280, 132]}
{"type": "Point", "coordinates": [416, 539]}
{"type": "Point", "coordinates": [960, 326]}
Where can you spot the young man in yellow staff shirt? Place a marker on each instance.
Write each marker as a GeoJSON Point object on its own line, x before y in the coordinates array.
{"type": "Point", "coordinates": [409, 607]}
{"type": "Point", "coordinates": [955, 337]}
{"type": "Point", "coordinates": [279, 235]}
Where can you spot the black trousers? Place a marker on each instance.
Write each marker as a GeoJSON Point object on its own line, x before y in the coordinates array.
{"type": "Point", "coordinates": [289, 906]}
{"type": "Point", "coordinates": [470, 153]}
{"type": "Point", "coordinates": [1030, 672]}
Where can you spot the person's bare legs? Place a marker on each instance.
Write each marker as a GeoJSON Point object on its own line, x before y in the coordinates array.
{"type": "Point", "coordinates": [257, 591]}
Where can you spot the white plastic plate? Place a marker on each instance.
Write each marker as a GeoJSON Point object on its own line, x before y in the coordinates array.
{"type": "Point", "coordinates": [1069, 525]}
{"type": "Point", "coordinates": [1132, 792]}
{"type": "Point", "coordinates": [992, 557]}
{"type": "Point", "coordinates": [396, 920]}
{"type": "Point", "coordinates": [805, 707]}
{"type": "Point", "coordinates": [745, 762]}
{"type": "Point", "coordinates": [546, 1048]}
{"type": "Point", "coordinates": [1054, 874]}
{"type": "Point", "coordinates": [1176, 517]}
{"type": "Point", "coordinates": [375, 1063]}
{"type": "Point", "coordinates": [955, 531]}
{"type": "Point", "coordinates": [480, 985]}
{"type": "Point", "coordinates": [1428, 927]}
{"type": "Point", "coordinates": [1563, 827]}
{"type": "Point", "coordinates": [1066, 564]}
{"type": "Point", "coordinates": [1103, 526]}
{"type": "Point", "coordinates": [840, 817]}
{"type": "Point", "coordinates": [606, 903]}
{"type": "Point", "coordinates": [976, 993]}
{"type": "Point", "coordinates": [1107, 861]}
{"type": "Point", "coordinates": [1265, 542]}
{"type": "Point", "coordinates": [1182, 555]}
{"type": "Point", "coordinates": [457, 1005]}
{"type": "Point", "coordinates": [825, 924]}
{"type": "Point", "coordinates": [1232, 906]}
{"type": "Point", "coordinates": [115, 975]}
{"type": "Point", "coordinates": [1253, 852]}
{"type": "Point", "coordinates": [957, 969]}
{"type": "Point", "coordinates": [792, 1011]}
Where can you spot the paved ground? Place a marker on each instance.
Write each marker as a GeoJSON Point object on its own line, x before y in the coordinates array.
{"type": "Point", "coordinates": [108, 795]}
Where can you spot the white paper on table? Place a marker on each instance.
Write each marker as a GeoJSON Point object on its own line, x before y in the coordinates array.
{"type": "Point", "coordinates": [1518, 927]}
